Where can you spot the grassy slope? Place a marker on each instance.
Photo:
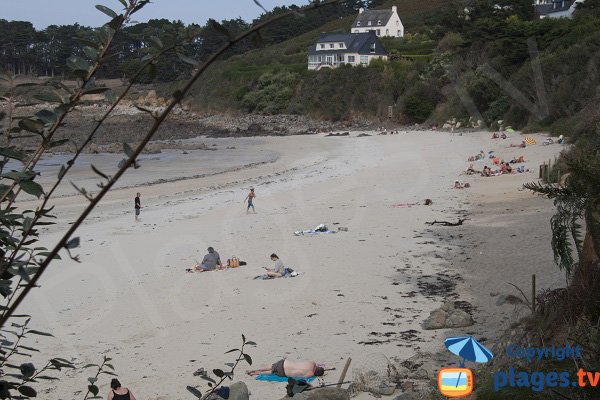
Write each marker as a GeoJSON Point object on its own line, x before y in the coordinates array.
{"type": "Point", "coordinates": [228, 80]}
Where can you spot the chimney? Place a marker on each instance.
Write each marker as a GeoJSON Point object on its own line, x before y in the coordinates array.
{"type": "Point", "coordinates": [394, 9]}
{"type": "Point", "coordinates": [361, 10]}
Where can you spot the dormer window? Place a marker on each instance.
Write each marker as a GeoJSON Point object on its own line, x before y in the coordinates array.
{"type": "Point", "coordinates": [322, 46]}
{"type": "Point", "coordinates": [358, 23]}
{"type": "Point", "coordinates": [372, 48]}
{"type": "Point", "coordinates": [331, 45]}
{"type": "Point", "coordinates": [379, 22]}
{"type": "Point", "coordinates": [369, 23]}
{"type": "Point", "coordinates": [341, 45]}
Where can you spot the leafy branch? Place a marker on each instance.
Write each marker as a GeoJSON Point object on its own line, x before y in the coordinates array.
{"type": "Point", "coordinates": [42, 211]}
{"type": "Point", "coordinates": [26, 373]}
{"type": "Point", "coordinates": [104, 368]}
{"type": "Point", "coordinates": [220, 374]}
{"type": "Point", "coordinates": [131, 160]}
{"type": "Point", "coordinates": [48, 123]}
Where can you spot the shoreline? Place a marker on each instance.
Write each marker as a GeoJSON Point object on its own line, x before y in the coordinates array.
{"type": "Point", "coordinates": [376, 282]}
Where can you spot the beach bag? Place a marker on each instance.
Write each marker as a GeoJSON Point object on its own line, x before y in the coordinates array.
{"type": "Point", "coordinates": [233, 262]}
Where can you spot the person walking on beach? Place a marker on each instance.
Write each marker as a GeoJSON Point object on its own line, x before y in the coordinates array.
{"type": "Point", "coordinates": [118, 392]}
{"type": "Point", "coordinates": [137, 206]}
{"type": "Point", "coordinates": [291, 369]}
{"type": "Point", "coordinates": [250, 199]}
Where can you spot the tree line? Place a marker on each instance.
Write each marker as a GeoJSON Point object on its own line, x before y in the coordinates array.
{"type": "Point", "coordinates": [27, 51]}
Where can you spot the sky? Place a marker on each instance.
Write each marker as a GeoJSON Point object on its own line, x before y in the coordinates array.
{"type": "Point", "coordinates": [65, 12]}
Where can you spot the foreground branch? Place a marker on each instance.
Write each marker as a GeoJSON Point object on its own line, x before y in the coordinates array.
{"type": "Point", "coordinates": [131, 160]}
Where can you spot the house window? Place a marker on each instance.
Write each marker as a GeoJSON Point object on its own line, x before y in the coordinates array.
{"type": "Point", "coordinates": [322, 46]}
{"type": "Point", "coordinates": [399, 33]}
{"type": "Point", "coordinates": [397, 23]}
{"type": "Point", "coordinates": [364, 60]}
{"type": "Point", "coordinates": [320, 59]}
{"type": "Point", "coordinates": [358, 23]}
{"type": "Point", "coordinates": [378, 32]}
{"type": "Point", "coordinates": [341, 45]}
{"type": "Point", "coordinates": [387, 32]}
{"type": "Point", "coordinates": [331, 45]}
{"type": "Point", "coordinates": [351, 59]}
{"type": "Point", "coordinates": [372, 48]}
{"type": "Point", "coordinates": [379, 22]}
{"type": "Point", "coordinates": [341, 58]}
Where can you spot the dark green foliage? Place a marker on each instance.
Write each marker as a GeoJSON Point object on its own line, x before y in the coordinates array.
{"type": "Point", "coordinates": [420, 102]}
{"type": "Point", "coordinates": [271, 94]}
{"type": "Point", "coordinates": [577, 203]}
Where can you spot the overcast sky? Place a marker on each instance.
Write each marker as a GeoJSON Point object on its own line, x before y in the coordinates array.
{"type": "Point", "coordinates": [65, 12]}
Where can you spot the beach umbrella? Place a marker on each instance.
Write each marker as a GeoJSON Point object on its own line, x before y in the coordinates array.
{"type": "Point", "coordinates": [468, 348]}
{"type": "Point", "coordinates": [529, 140]}
{"type": "Point", "coordinates": [510, 130]}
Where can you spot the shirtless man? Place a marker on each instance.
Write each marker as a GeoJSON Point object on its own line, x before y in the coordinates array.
{"type": "Point", "coordinates": [250, 199]}
{"type": "Point", "coordinates": [291, 369]}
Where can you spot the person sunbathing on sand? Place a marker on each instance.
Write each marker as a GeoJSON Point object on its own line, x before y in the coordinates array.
{"type": "Point", "coordinates": [291, 369]}
{"type": "Point", "coordinates": [487, 171]}
{"type": "Point", "coordinates": [471, 170]}
{"type": "Point", "coordinates": [458, 185]}
{"type": "Point", "coordinates": [522, 145]}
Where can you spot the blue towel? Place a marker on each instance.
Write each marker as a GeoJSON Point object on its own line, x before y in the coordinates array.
{"type": "Point", "coordinates": [277, 378]}
{"type": "Point", "coordinates": [223, 392]}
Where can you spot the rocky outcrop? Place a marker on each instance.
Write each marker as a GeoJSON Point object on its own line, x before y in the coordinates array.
{"type": "Point", "coordinates": [237, 391]}
{"type": "Point", "coordinates": [448, 316]}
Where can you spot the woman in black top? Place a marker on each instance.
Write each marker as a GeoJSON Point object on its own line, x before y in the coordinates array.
{"type": "Point", "coordinates": [118, 392]}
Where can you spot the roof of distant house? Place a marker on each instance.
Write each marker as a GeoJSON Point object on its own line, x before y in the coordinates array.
{"type": "Point", "coordinates": [550, 8]}
{"type": "Point", "coordinates": [353, 43]}
{"type": "Point", "coordinates": [374, 16]}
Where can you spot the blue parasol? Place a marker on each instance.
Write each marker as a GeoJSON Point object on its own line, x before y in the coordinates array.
{"type": "Point", "coordinates": [469, 349]}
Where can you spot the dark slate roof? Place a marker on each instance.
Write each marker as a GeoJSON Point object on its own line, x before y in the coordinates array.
{"type": "Point", "coordinates": [355, 43]}
{"type": "Point", "coordinates": [373, 16]}
{"type": "Point", "coordinates": [546, 9]}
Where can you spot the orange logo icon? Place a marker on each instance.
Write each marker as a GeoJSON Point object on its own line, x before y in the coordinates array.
{"type": "Point", "coordinates": [455, 382]}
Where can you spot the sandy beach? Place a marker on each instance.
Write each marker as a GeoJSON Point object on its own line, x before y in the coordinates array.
{"type": "Point", "coordinates": [361, 293]}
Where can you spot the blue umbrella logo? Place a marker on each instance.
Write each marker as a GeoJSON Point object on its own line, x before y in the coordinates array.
{"type": "Point", "coordinates": [468, 349]}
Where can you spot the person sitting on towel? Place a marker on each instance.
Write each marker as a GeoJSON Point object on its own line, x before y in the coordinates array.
{"type": "Point", "coordinates": [210, 261]}
{"type": "Point", "coordinates": [291, 369]}
{"type": "Point", "coordinates": [278, 269]}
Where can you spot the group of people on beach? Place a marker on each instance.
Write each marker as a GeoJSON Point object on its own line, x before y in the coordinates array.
{"type": "Point", "coordinates": [212, 262]}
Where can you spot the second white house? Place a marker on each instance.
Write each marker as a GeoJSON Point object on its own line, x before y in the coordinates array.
{"type": "Point", "coordinates": [385, 23]}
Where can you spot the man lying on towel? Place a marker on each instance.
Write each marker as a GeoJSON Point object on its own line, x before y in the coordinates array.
{"type": "Point", "coordinates": [291, 369]}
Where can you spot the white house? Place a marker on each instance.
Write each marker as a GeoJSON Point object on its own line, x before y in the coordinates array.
{"type": "Point", "coordinates": [385, 23]}
{"type": "Point", "coordinates": [335, 49]}
{"type": "Point", "coordinates": [556, 8]}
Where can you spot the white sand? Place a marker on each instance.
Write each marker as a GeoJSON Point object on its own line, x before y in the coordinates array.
{"type": "Point", "coordinates": [132, 300]}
